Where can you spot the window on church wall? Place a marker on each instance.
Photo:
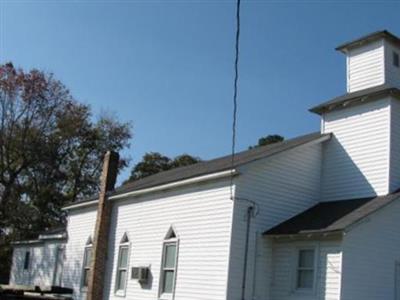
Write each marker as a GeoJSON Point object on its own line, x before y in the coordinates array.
{"type": "Point", "coordinates": [305, 269]}
{"type": "Point", "coordinates": [396, 59]}
{"type": "Point", "coordinates": [169, 265]}
{"type": "Point", "coordinates": [122, 266]}
{"type": "Point", "coordinates": [87, 260]}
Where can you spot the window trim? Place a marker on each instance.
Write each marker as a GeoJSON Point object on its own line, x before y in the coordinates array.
{"type": "Point", "coordinates": [125, 243]}
{"type": "Point", "coordinates": [297, 289]}
{"type": "Point", "coordinates": [168, 241]}
{"type": "Point", "coordinates": [89, 245]}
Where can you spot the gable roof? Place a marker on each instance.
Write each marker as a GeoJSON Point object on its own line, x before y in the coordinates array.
{"type": "Point", "coordinates": [368, 39]}
{"type": "Point", "coordinates": [353, 98]}
{"type": "Point", "coordinates": [331, 216]}
{"type": "Point", "coordinates": [213, 166]}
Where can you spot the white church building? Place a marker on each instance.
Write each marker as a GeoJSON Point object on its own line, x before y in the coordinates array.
{"type": "Point", "coordinates": [316, 217]}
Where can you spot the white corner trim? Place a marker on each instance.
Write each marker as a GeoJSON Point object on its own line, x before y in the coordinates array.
{"type": "Point", "coordinates": [198, 179]}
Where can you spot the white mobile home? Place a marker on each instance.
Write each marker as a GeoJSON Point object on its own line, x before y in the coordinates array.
{"type": "Point", "coordinates": [39, 262]}
{"type": "Point", "coordinates": [314, 217]}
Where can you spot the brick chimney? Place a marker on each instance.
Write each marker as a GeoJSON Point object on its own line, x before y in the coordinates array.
{"type": "Point", "coordinates": [100, 242]}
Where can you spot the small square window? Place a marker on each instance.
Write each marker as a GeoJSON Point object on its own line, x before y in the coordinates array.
{"type": "Point", "coordinates": [396, 62]}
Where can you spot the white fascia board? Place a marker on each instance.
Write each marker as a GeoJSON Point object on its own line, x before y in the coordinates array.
{"type": "Point", "coordinates": [41, 239]}
{"type": "Point", "coordinates": [80, 205]}
{"type": "Point", "coordinates": [180, 183]}
{"type": "Point", "coordinates": [52, 236]}
{"type": "Point", "coordinates": [21, 243]}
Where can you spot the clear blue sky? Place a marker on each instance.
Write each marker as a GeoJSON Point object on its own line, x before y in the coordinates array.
{"type": "Point", "coordinates": [167, 65]}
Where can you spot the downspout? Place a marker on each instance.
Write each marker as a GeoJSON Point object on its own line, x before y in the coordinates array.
{"type": "Point", "coordinates": [246, 250]}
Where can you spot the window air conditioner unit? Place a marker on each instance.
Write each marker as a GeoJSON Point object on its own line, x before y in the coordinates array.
{"type": "Point", "coordinates": [141, 274]}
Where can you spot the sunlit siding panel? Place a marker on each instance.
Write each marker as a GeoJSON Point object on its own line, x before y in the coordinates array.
{"type": "Point", "coordinates": [281, 186]}
{"type": "Point", "coordinates": [328, 271]}
{"type": "Point", "coordinates": [365, 67]}
{"type": "Point", "coordinates": [81, 224]}
{"type": "Point", "coordinates": [18, 275]}
{"type": "Point", "coordinates": [202, 217]}
{"type": "Point", "coordinates": [42, 264]}
{"type": "Point", "coordinates": [370, 252]}
{"type": "Point", "coordinates": [356, 159]}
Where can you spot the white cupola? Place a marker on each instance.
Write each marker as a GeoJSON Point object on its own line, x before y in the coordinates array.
{"type": "Point", "coordinates": [372, 60]}
{"type": "Point", "coordinates": [363, 157]}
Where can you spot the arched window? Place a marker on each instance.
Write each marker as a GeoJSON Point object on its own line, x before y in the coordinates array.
{"type": "Point", "coordinates": [87, 261]}
{"type": "Point", "coordinates": [169, 264]}
{"type": "Point", "coordinates": [122, 266]}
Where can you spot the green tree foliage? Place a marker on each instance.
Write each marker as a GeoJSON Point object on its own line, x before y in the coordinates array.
{"type": "Point", "coordinates": [51, 152]}
{"type": "Point", "coordinates": [268, 140]}
{"type": "Point", "coordinates": [154, 162]}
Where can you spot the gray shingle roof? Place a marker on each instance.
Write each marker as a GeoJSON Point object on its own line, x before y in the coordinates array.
{"type": "Point", "coordinates": [356, 97]}
{"type": "Point", "coordinates": [331, 216]}
{"type": "Point", "coordinates": [212, 166]}
{"type": "Point", "coordinates": [368, 39]}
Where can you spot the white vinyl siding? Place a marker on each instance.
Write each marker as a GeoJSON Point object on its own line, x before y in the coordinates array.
{"type": "Point", "coordinates": [356, 159]}
{"type": "Point", "coordinates": [365, 67]}
{"type": "Point", "coordinates": [372, 65]}
{"type": "Point", "coordinates": [81, 225]}
{"type": "Point", "coordinates": [370, 252]}
{"type": "Point", "coordinates": [281, 186]}
{"type": "Point", "coordinates": [202, 217]}
{"type": "Point", "coordinates": [328, 271]}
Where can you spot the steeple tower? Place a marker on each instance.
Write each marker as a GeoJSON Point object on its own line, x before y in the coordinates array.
{"type": "Point", "coordinates": [363, 157]}
{"type": "Point", "coordinates": [372, 60]}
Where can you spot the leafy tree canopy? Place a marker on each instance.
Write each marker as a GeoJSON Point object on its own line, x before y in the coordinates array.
{"type": "Point", "coordinates": [154, 162]}
{"type": "Point", "coordinates": [268, 140]}
{"type": "Point", "coordinates": [51, 151]}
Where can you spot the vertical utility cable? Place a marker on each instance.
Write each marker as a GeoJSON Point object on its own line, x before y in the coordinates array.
{"type": "Point", "coordinates": [235, 91]}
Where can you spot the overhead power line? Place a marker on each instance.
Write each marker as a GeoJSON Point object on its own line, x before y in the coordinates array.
{"type": "Point", "coordinates": [235, 91]}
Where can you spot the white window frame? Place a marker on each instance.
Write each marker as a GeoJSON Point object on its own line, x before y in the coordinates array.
{"type": "Point", "coordinates": [168, 241]}
{"type": "Point", "coordinates": [297, 269]}
{"type": "Point", "coordinates": [85, 267]}
{"type": "Point", "coordinates": [124, 244]}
